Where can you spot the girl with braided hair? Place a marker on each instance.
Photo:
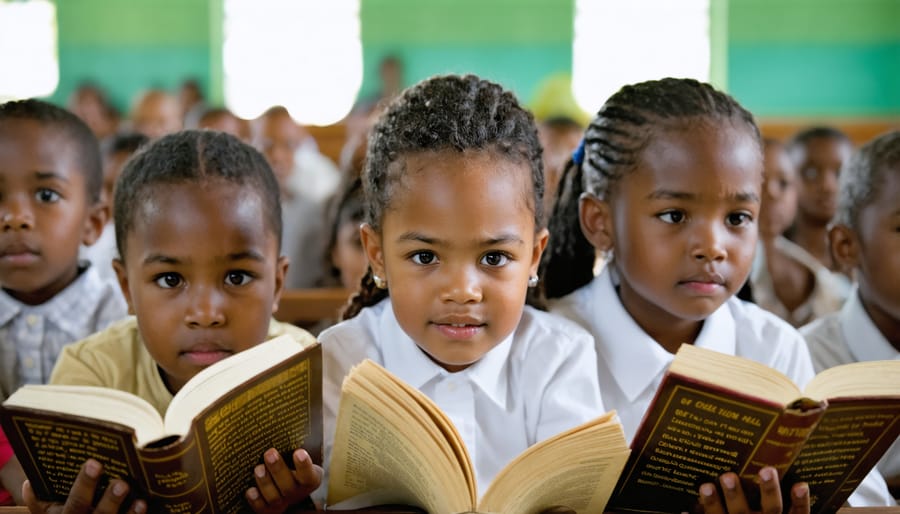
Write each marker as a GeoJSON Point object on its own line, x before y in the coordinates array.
{"type": "Point", "coordinates": [667, 184]}
{"type": "Point", "coordinates": [453, 232]}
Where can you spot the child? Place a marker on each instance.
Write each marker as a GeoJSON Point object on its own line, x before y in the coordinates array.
{"type": "Point", "coordinates": [198, 227]}
{"type": "Point", "coordinates": [117, 150]}
{"type": "Point", "coordinates": [866, 243]}
{"type": "Point", "coordinates": [156, 113]}
{"type": "Point", "coordinates": [454, 233]}
{"type": "Point", "coordinates": [785, 278]}
{"type": "Point", "coordinates": [50, 179]}
{"type": "Point", "coordinates": [344, 256]}
{"type": "Point", "coordinates": [818, 153]}
{"type": "Point", "coordinates": [667, 183]}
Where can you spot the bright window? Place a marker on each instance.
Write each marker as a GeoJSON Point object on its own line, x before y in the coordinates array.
{"type": "Point", "coordinates": [28, 62]}
{"type": "Point", "coordinates": [619, 42]}
{"type": "Point", "coordinates": [303, 54]}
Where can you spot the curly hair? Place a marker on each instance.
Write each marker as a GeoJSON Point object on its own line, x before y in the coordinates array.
{"type": "Point", "coordinates": [446, 112]}
{"type": "Point", "coordinates": [84, 144]}
{"type": "Point", "coordinates": [863, 175]}
{"type": "Point", "coordinates": [193, 156]}
{"type": "Point", "coordinates": [612, 145]}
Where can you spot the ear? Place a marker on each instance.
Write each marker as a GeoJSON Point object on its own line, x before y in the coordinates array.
{"type": "Point", "coordinates": [371, 242]}
{"type": "Point", "coordinates": [596, 221]}
{"type": "Point", "coordinates": [122, 276]}
{"type": "Point", "coordinates": [96, 219]}
{"type": "Point", "coordinates": [540, 243]}
{"type": "Point", "coordinates": [281, 267]}
{"type": "Point", "coordinates": [844, 247]}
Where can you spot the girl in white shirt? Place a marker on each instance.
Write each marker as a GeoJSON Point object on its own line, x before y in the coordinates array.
{"type": "Point", "coordinates": [667, 184]}
{"type": "Point", "coordinates": [454, 232]}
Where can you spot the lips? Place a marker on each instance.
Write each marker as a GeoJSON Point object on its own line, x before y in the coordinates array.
{"type": "Point", "coordinates": [704, 283]}
{"type": "Point", "coordinates": [205, 354]}
{"type": "Point", "coordinates": [459, 327]}
{"type": "Point", "coordinates": [19, 253]}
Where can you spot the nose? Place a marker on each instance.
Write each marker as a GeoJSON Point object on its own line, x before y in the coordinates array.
{"type": "Point", "coordinates": [205, 308]}
{"type": "Point", "coordinates": [16, 215]}
{"type": "Point", "coordinates": [830, 181]}
{"type": "Point", "coordinates": [709, 242]}
{"type": "Point", "coordinates": [462, 286]}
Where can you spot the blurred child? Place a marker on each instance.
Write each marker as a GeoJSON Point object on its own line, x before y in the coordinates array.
{"type": "Point", "coordinates": [156, 113]}
{"type": "Point", "coordinates": [818, 154]}
{"type": "Point", "coordinates": [50, 204]}
{"type": "Point", "coordinates": [668, 184]}
{"type": "Point", "coordinates": [222, 119]}
{"type": "Point", "coordinates": [198, 228]}
{"type": "Point", "coordinates": [279, 138]}
{"type": "Point", "coordinates": [90, 103]}
{"type": "Point", "coordinates": [454, 233]}
{"type": "Point", "coordinates": [865, 242]}
{"type": "Point", "coordinates": [559, 137]}
{"type": "Point", "coordinates": [345, 259]}
{"type": "Point", "coordinates": [785, 278]}
{"type": "Point", "coordinates": [117, 150]}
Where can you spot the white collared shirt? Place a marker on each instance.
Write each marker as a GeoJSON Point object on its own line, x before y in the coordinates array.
{"type": "Point", "coordinates": [541, 380]}
{"type": "Point", "coordinates": [846, 336]}
{"type": "Point", "coordinates": [631, 364]}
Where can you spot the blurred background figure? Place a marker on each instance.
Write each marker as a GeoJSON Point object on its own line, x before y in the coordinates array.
{"type": "Point", "coordinates": [191, 101]}
{"type": "Point", "coordinates": [89, 102]}
{"type": "Point", "coordinates": [156, 113]}
{"type": "Point", "coordinates": [559, 136]}
{"type": "Point", "coordinates": [223, 120]}
{"type": "Point", "coordinates": [786, 279]}
{"type": "Point", "coordinates": [345, 260]}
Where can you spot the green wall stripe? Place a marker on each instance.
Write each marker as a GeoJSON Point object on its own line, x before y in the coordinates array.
{"type": "Point", "coordinates": [816, 80]}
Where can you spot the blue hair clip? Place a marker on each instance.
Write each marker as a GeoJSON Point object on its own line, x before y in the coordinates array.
{"type": "Point", "coordinates": [578, 155]}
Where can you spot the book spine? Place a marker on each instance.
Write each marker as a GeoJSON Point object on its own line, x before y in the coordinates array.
{"type": "Point", "coordinates": [174, 479]}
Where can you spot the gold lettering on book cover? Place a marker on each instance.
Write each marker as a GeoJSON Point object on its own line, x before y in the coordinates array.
{"type": "Point", "coordinates": [269, 414]}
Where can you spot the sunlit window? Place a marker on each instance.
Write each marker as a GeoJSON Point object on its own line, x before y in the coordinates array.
{"type": "Point", "coordinates": [28, 62]}
{"type": "Point", "coordinates": [619, 42]}
{"type": "Point", "coordinates": [303, 54]}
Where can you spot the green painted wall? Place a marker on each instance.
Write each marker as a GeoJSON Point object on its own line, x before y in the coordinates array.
{"type": "Point", "coordinates": [127, 46]}
{"type": "Point", "coordinates": [815, 57]}
{"type": "Point", "coordinates": [778, 57]}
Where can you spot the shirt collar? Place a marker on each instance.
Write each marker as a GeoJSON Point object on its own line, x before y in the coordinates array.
{"type": "Point", "coordinates": [404, 358]}
{"type": "Point", "coordinates": [864, 340]}
{"type": "Point", "coordinates": [634, 358]}
{"type": "Point", "coordinates": [71, 310]}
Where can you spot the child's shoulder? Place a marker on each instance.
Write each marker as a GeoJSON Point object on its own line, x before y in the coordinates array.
{"type": "Point", "coordinates": [277, 328]}
{"type": "Point", "coordinates": [751, 319]}
{"type": "Point", "coordinates": [111, 351]}
{"type": "Point", "coordinates": [358, 332]}
{"type": "Point", "coordinates": [540, 333]}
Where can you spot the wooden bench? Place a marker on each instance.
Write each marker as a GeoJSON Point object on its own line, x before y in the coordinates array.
{"type": "Point", "coordinates": [859, 130]}
{"type": "Point", "coordinates": [306, 307]}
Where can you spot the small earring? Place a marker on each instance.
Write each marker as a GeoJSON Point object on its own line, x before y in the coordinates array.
{"type": "Point", "coordinates": [380, 283]}
{"type": "Point", "coordinates": [532, 281]}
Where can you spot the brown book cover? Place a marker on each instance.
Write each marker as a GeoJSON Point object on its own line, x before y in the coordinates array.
{"type": "Point", "coordinates": [203, 459]}
{"type": "Point", "coordinates": [721, 413]}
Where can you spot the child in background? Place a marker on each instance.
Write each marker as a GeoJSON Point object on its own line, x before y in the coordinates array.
{"type": "Point", "coordinates": [865, 242]}
{"type": "Point", "coordinates": [668, 184]}
{"type": "Point", "coordinates": [222, 119]}
{"type": "Point", "coordinates": [344, 256]}
{"type": "Point", "coordinates": [454, 233]}
{"type": "Point", "coordinates": [50, 181]}
{"type": "Point", "coordinates": [785, 279]}
{"type": "Point", "coordinates": [818, 154]}
{"type": "Point", "coordinates": [117, 150]}
{"type": "Point", "coordinates": [156, 113]}
{"type": "Point", "coordinates": [198, 227]}
{"type": "Point", "coordinates": [559, 136]}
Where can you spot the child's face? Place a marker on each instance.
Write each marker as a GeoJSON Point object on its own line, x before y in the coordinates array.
{"type": "Point", "coordinates": [819, 170]}
{"type": "Point", "coordinates": [682, 226]}
{"type": "Point", "coordinates": [457, 247]}
{"type": "Point", "coordinates": [202, 274]}
{"type": "Point", "coordinates": [156, 115]}
{"type": "Point", "coordinates": [45, 211]}
{"type": "Point", "coordinates": [348, 255]}
{"type": "Point", "coordinates": [779, 192]}
{"type": "Point", "coordinates": [112, 168]}
{"type": "Point", "coordinates": [278, 140]}
{"type": "Point", "coordinates": [875, 255]}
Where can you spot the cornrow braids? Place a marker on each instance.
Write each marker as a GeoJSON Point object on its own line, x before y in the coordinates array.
{"type": "Point", "coordinates": [863, 174]}
{"type": "Point", "coordinates": [193, 156]}
{"type": "Point", "coordinates": [85, 146]}
{"type": "Point", "coordinates": [612, 143]}
{"type": "Point", "coordinates": [445, 112]}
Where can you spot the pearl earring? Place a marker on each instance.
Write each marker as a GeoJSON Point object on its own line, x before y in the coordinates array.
{"type": "Point", "coordinates": [380, 283]}
{"type": "Point", "coordinates": [532, 281]}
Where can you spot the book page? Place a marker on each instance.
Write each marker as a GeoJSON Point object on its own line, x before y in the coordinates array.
{"type": "Point", "coordinates": [577, 469]}
{"type": "Point", "coordinates": [93, 402]}
{"type": "Point", "coordinates": [381, 451]}
{"type": "Point", "coordinates": [858, 379]}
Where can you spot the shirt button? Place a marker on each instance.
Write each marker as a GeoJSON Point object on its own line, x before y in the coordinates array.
{"type": "Point", "coordinates": [451, 387]}
{"type": "Point", "coordinates": [31, 319]}
{"type": "Point", "coordinates": [29, 362]}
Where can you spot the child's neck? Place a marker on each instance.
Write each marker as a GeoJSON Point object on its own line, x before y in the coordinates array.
{"type": "Point", "coordinates": [888, 325]}
{"type": "Point", "coordinates": [813, 237]}
{"type": "Point", "coordinates": [667, 330]}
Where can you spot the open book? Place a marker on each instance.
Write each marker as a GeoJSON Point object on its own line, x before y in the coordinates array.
{"type": "Point", "coordinates": [393, 445]}
{"type": "Point", "coordinates": [200, 458]}
{"type": "Point", "coordinates": [715, 412]}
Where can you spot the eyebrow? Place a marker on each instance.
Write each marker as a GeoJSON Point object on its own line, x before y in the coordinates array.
{"type": "Point", "coordinates": [50, 175]}
{"type": "Point", "coordinates": [167, 259]}
{"type": "Point", "coordinates": [498, 240]}
{"type": "Point", "coordinates": [668, 194]}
